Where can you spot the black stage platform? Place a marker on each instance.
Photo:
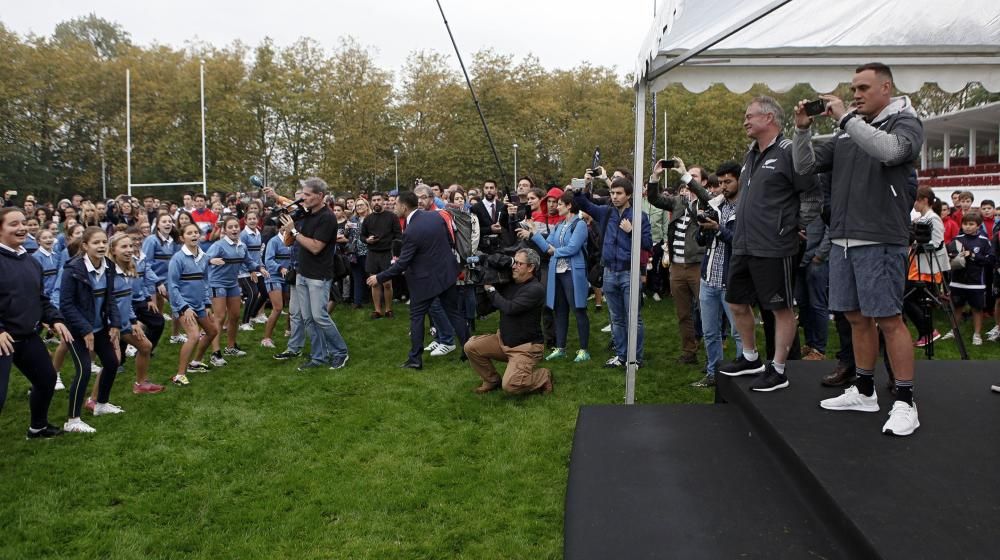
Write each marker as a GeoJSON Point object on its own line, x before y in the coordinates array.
{"type": "Point", "coordinates": [772, 475]}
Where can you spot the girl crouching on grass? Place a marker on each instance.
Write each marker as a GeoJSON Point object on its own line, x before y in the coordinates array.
{"type": "Point", "coordinates": [87, 303]}
{"type": "Point", "coordinates": [226, 257]}
{"type": "Point", "coordinates": [188, 285]}
{"type": "Point", "coordinates": [277, 259]}
{"type": "Point", "coordinates": [133, 332]}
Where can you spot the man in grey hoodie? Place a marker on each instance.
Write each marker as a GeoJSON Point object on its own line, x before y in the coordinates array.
{"type": "Point", "coordinates": [871, 161]}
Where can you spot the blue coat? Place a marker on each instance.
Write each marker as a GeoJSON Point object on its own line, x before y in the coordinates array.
{"type": "Point", "coordinates": [574, 249]}
{"type": "Point", "coordinates": [426, 256]}
{"type": "Point", "coordinates": [76, 298]}
{"type": "Point", "coordinates": [616, 248]}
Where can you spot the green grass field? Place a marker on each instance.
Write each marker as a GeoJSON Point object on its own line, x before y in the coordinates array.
{"type": "Point", "coordinates": [256, 460]}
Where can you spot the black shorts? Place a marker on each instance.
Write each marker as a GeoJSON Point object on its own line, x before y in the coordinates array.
{"type": "Point", "coordinates": [767, 281]}
{"type": "Point", "coordinates": [378, 261]}
{"type": "Point", "coordinates": [973, 297]}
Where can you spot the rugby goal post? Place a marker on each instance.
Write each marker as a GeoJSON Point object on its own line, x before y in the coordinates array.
{"type": "Point", "coordinates": [128, 138]}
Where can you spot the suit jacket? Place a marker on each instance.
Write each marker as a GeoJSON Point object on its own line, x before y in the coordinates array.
{"type": "Point", "coordinates": [426, 257]}
{"type": "Point", "coordinates": [486, 220]}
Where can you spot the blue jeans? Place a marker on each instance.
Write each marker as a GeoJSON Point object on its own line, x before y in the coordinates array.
{"type": "Point", "coordinates": [813, 288]}
{"type": "Point", "coordinates": [713, 305]}
{"type": "Point", "coordinates": [564, 301]}
{"type": "Point", "coordinates": [439, 320]}
{"type": "Point", "coordinates": [297, 338]}
{"type": "Point", "coordinates": [327, 344]}
{"type": "Point", "coordinates": [617, 289]}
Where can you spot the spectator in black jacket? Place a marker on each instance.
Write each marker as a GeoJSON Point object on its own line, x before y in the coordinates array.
{"type": "Point", "coordinates": [23, 309]}
{"type": "Point", "coordinates": [379, 231]}
{"type": "Point", "coordinates": [519, 340]}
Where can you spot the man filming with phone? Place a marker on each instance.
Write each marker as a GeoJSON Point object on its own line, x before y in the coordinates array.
{"type": "Point", "coordinates": [682, 245]}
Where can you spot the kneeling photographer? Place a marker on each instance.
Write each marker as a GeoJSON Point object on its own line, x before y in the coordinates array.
{"type": "Point", "coordinates": [928, 262]}
{"type": "Point", "coordinates": [519, 339]}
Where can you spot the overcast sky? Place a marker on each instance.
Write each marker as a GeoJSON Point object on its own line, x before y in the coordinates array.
{"type": "Point", "coordinates": [561, 33]}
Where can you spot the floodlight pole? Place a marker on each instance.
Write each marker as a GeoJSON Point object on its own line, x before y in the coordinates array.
{"type": "Point", "coordinates": [128, 129]}
{"type": "Point", "coordinates": [395, 153]}
{"type": "Point", "coordinates": [515, 163]}
{"type": "Point", "coordinates": [204, 175]}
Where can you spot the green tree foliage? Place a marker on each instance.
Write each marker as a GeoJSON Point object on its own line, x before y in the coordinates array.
{"type": "Point", "coordinates": [292, 111]}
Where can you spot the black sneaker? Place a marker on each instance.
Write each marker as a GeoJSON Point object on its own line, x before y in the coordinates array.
{"type": "Point", "coordinates": [339, 363]}
{"type": "Point", "coordinates": [770, 381]}
{"type": "Point", "coordinates": [48, 431]}
{"type": "Point", "coordinates": [742, 366]}
{"type": "Point", "coordinates": [707, 381]}
{"type": "Point", "coordinates": [287, 354]}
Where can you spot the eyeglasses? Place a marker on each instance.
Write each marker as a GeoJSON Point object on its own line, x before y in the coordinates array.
{"type": "Point", "coordinates": [517, 262]}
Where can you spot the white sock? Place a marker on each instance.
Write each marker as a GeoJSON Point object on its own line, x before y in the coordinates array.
{"type": "Point", "coordinates": [750, 355]}
{"type": "Point", "coordinates": [780, 368]}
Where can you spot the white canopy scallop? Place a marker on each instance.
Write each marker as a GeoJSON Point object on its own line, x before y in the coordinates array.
{"type": "Point", "coordinates": [821, 42]}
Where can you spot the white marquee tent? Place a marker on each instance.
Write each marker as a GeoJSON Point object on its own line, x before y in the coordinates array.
{"type": "Point", "coordinates": [781, 43]}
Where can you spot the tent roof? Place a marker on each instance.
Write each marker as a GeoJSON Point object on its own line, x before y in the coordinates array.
{"type": "Point", "coordinates": [821, 42]}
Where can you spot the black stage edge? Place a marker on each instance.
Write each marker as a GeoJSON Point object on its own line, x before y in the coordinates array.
{"type": "Point", "coordinates": [772, 475]}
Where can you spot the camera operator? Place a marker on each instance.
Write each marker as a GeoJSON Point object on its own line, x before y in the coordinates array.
{"type": "Point", "coordinates": [519, 339]}
{"type": "Point", "coordinates": [928, 261]}
{"type": "Point", "coordinates": [871, 161]}
{"type": "Point", "coordinates": [715, 233]}
{"type": "Point", "coordinates": [316, 235]}
{"type": "Point", "coordinates": [685, 252]}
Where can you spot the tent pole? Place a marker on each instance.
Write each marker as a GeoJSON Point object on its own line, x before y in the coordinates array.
{"type": "Point", "coordinates": [635, 287]}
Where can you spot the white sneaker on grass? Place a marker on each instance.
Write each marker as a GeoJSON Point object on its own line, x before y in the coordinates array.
{"type": "Point", "coordinates": [267, 343]}
{"type": "Point", "coordinates": [260, 319]}
{"type": "Point", "coordinates": [59, 383]}
{"type": "Point", "coordinates": [95, 368]}
{"type": "Point", "coordinates": [234, 351]}
{"type": "Point", "coordinates": [948, 335]}
{"type": "Point", "coordinates": [443, 349]}
{"type": "Point", "coordinates": [852, 399]}
{"type": "Point", "coordinates": [902, 421]}
{"type": "Point", "coordinates": [76, 425]}
{"type": "Point", "coordinates": [217, 361]}
{"type": "Point", "coordinates": [431, 347]}
{"type": "Point", "coordinates": [167, 317]}
{"type": "Point", "coordinates": [131, 351]}
{"type": "Point", "coordinates": [977, 340]}
{"type": "Point", "coordinates": [606, 329]}
{"type": "Point", "coordinates": [100, 409]}
{"type": "Point", "coordinates": [178, 339]}
{"type": "Point", "coordinates": [246, 327]}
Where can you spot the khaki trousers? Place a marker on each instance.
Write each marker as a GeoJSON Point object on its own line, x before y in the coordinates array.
{"type": "Point", "coordinates": [520, 375]}
{"type": "Point", "coordinates": [685, 283]}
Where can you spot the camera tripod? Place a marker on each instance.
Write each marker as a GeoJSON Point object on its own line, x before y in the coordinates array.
{"type": "Point", "coordinates": [932, 294]}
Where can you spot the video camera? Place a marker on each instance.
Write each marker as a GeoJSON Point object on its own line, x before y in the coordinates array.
{"type": "Point", "coordinates": [708, 214]}
{"type": "Point", "coordinates": [293, 209]}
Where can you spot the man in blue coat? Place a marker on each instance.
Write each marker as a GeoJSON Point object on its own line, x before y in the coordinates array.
{"type": "Point", "coordinates": [431, 271]}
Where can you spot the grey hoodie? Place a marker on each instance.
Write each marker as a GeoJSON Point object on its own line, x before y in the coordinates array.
{"type": "Point", "coordinates": [872, 166]}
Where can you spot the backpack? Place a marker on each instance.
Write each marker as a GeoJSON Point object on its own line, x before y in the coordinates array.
{"type": "Point", "coordinates": [462, 236]}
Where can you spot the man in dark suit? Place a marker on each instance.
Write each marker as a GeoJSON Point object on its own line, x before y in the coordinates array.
{"type": "Point", "coordinates": [431, 270]}
{"type": "Point", "coordinates": [492, 213]}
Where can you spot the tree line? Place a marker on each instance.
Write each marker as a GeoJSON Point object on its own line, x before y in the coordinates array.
{"type": "Point", "coordinates": [292, 111]}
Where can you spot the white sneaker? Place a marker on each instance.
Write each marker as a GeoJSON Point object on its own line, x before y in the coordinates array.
{"type": "Point", "coordinates": [107, 408]}
{"type": "Point", "coordinates": [902, 420]}
{"type": "Point", "coordinates": [443, 349]}
{"type": "Point", "coordinates": [993, 335]}
{"type": "Point", "coordinates": [977, 340]}
{"type": "Point", "coordinates": [59, 383]}
{"type": "Point", "coordinates": [947, 335]}
{"type": "Point", "coordinates": [852, 399]}
{"type": "Point", "coordinates": [167, 317]}
{"type": "Point", "coordinates": [260, 319]}
{"type": "Point", "coordinates": [95, 369]}
{"type": "Point", "coordinates": [656, 297]}
{"type": "Point", "coordinates": [131, 351]}
{"type": "Point", "coordinates": [178, 339]}
{"type": "Point", "coordinates": [606, 329]}
{"type": "Point", "coordinates": [234, 352]}
{"type": "Point", "coordinates": [246, 327]}
{"type": "Point", "coordinates": [217, 361]}
{"type": "Point", "coordinates": [431, 347]}
{"type": "Point", "coordinates": [77, 425]}
{"type": "Point", "coordinates": [267, 343]}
